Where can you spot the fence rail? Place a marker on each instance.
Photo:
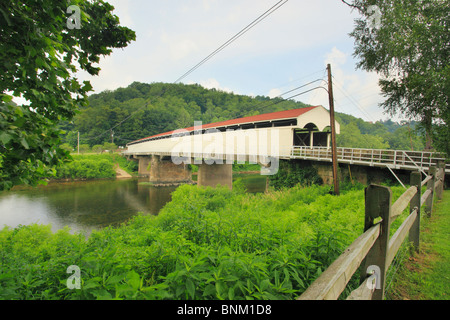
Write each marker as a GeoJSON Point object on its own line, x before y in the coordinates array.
{"type": "Point", "coordinates": [394, 159]}
{"type": "Point", "coordinates": [374, 251]}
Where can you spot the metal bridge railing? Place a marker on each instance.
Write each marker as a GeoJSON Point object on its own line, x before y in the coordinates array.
{"type": "Point", "coordinates": [395, 159]}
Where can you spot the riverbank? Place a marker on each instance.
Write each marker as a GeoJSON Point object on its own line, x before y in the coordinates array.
{"type": "Point", "coordinates": [112, 165]}
{"type": "Point", "coordinates": [121, 174]}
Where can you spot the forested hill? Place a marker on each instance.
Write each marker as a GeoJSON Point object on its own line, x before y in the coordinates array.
{"type": "Point", "coordinates": [141, 110]}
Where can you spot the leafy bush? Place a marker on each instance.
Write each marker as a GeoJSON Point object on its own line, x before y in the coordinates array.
{"type": "Point", "coordinates": [292, 173]}
{"type": "Point", "coordinates": [87, 167]}
{"type": "Point", "coordinates": [94, 166]}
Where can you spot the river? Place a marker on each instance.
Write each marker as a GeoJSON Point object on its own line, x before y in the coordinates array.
{"type": "Point", "coordinates": [90, 205]}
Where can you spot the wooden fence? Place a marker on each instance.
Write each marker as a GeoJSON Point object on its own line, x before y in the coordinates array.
{"type": "Point", "coordinates": [374, 250]}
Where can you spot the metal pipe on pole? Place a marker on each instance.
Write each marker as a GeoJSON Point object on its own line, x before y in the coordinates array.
{"type": "Point", "coordinates": [333, 132]}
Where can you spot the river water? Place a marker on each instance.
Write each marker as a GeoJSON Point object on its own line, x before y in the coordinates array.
{"type": "Point", "coordinates": [91, 205]}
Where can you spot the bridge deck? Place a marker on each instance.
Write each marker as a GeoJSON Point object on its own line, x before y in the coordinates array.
{"type": "Point", "coordinates": [393, 159]}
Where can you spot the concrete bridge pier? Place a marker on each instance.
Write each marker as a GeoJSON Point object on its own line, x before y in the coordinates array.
{"type": "Point", "coordinates": [144, 162]}
{"type": "Point", "coordinates": [214, 174]}
{"type": "Point", "coordinates": [164, 172]}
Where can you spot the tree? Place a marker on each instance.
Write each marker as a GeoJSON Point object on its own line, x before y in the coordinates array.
{"type": "Point", "coordinates": [184, 120]}
{"type": "Point", "coordinates": [40, 47]}
{"type": "Point", "coordinates": [408, 43]}
{"type": "Point", "coordinates": [351, 137]}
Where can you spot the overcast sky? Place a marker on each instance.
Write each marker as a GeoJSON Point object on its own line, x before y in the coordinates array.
{"type": "Point", "coordinates": [291, 47]}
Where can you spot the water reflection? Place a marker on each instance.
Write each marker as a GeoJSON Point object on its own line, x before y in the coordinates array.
{"type": "Point", "coordinates": [85, 206]}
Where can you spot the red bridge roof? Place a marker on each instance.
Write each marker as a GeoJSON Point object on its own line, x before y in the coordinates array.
{"type": "Point", "coordinates": [287, 114]}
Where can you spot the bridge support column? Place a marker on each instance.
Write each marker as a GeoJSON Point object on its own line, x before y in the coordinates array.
{"type": "Point", "coordinates": [214, 174]}
{"type": "Point", "coordinates": [164, 172]}
{"type": "Point", "coordinates": [144, 162]}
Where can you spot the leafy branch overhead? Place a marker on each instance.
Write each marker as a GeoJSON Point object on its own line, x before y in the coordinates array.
{"type": "Point", "coordinates": [39, 57]}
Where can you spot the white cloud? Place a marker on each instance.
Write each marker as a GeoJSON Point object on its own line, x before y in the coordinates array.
{"type": "Point", "coordinates": [336, 57]}
{"type": "Point", "coordinates": [177, 46]}
{"type": "Point", "coordinates": [355, 92]}
{"type": "Point", "coordinates": [274, 93]}
{"type": "Point", "coordinates": [213, 84]}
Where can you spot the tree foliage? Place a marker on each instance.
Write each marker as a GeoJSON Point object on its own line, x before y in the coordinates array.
{"type": "Point", "coordinates": [410, 49]}
{"type": "Point", "coordinates": [39, 57]}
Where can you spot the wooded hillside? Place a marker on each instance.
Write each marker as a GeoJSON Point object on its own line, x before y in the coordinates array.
{"type": "Point", "coordinates": [141, 110]}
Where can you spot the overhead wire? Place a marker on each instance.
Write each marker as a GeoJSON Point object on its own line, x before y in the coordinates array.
{"type": "Point", "coordinates": [296, 95]}
{"type": "Point", "coordinates": [259, 107]}
{"type": "Point", "coordinates": [274, 8]}
{"type": "Point", "coordinates": [353, 101]}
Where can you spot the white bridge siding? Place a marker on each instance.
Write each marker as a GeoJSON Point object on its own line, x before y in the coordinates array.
{"type": "Point", "coordinates": [234, 145]}
{"type": "Point", "coordinates": [267, 138]}
{"type": "Point", "coordinates": [291, 134]}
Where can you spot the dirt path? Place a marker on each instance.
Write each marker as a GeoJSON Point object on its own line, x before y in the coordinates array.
{"type": "Point", "coordinates": [121, 174]}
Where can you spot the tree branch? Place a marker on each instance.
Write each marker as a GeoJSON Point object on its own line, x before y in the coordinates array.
{"type": "Point", "coordinates": [352, 5]}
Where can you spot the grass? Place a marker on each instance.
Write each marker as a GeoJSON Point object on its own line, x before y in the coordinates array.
{"type": "Point", "coordinates": [426, 275]}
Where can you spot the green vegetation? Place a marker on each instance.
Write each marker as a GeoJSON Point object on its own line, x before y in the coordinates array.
{"type": "Point", "coordinates": [205, 244]}
{"type": "Point", "coordinates": [237, 167]}
{"type": "Point", "coordinates": [87, 167]}
{"type": "Point", "coordinates": [94, 166]}
{"type": "Point", "coordinates": [292, 173]}
{"type": "Point", "coordinates": [356, 133]}
{"type": "Point", "coordinates": [39, 60]}
{"type": "Point", "coordinates": [246, 167]}
{"type": "Point", "coordinates": [425, 275]}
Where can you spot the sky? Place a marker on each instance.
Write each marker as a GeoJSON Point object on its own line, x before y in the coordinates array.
{"type": "Point", "coordinates": [288, 49]}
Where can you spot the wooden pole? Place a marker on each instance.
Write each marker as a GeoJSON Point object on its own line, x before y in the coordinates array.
{"type": "Point", "coordinates": [430, 186]}
{"type": "Point", "coordinates": [414, 232]}
{"type": "Point", "coordinates": [377, 205]}
{"type": "Point", "coordinates": [441, 179]}
{"type": "Point", "coordinates": [78, 146]}
{"type": "Point", "coordinates": [333, 131]}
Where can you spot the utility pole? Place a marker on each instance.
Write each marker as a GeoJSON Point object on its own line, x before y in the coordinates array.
{"type": "Point", "coordinates": [333, 132]}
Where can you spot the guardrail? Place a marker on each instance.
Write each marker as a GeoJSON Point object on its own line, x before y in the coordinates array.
{"type": "Point", "coordinates": [395, 159]}
{"type": "Point", "coordinates": [374, 251]}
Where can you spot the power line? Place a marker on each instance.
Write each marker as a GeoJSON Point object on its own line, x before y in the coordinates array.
{"type": "Point", "coordinates": [296, 95]}
{"type": "Point", "coordinates": [354, 102]}
{"type": "Point", "coordinates": [278, 5]}
{"type": "Point", "coordinates": [235, 37]}
{"type": "Point", "coordinates": [256, 107]}
{"type": "Point", "coordinates": [274, 8]}
{"type": "Point", "coordinates": [259, 107]}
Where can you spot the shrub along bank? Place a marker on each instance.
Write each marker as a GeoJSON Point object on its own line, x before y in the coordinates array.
{"type": "Point", "coordinates": [94, 166]}
{"type": "Point", "coordinates": [205, 244]}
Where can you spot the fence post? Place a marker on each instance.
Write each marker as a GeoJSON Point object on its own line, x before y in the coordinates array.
{"type": "Point", "coordinates": [441, 177]}
{"type": "Point", "coordinates": [414, 232]}
{"type": "Point", "coordinates": [430, 186]}
{"type": "Point", "coordinates": [377, 205]}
